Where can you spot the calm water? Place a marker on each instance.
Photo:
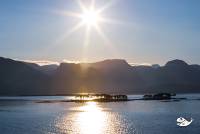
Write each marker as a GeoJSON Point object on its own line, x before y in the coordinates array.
{"type": "Point", "coordinates": [22, 115]}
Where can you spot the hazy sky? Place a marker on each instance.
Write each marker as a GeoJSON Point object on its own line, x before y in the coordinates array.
{"type": "Point", "coordinates": [144, 31]}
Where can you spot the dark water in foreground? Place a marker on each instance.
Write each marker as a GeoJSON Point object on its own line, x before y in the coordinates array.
{"type": "Point", "coordinates": [132, 117]}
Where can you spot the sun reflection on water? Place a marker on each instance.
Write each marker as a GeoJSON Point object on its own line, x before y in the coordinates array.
{"type": "Point", "coordinates": [91, 120]}
{"type": "Point", "coordinates": [86, 118]}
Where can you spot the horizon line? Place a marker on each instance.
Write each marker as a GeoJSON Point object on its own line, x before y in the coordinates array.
{"type": "Point", "coordinates": [51, 62]}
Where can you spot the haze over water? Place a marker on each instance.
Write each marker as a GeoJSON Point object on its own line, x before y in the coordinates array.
{"type": "Point", "coordinates": [132, 117]}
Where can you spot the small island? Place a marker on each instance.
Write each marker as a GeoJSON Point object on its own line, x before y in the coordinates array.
{"type": "Point", "coordinates": [158, 96]}
{"type": "Point", "coordinates": [81, 98]}
{"type": "Point", "coordinates": [100, 98]}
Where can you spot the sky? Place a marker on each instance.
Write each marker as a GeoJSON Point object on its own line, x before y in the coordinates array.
{"type": "Point", "coordinates": [139, 31]}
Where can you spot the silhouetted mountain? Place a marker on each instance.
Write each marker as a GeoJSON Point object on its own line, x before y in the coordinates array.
{"type": "Point", "coordinates": [18, 78]}
{"type": "Point", "coordinates": [176, 63]}
{"type": "Point", "coordinates": [115, 64]}
{"type": "Point", "coordinates": [108, 76]}
{"type": "Point", "coordinates": [47, 69]}
{"type": "Point", "coordinates": [155, 65]}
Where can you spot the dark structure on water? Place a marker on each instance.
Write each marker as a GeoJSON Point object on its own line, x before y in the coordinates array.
{"type": "Point", "coordinates": [159, 96]}
{"type": "Point", "coordinates": [101, 97]}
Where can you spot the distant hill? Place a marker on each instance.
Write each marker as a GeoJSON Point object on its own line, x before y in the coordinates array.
{"type": "Point", "coordinates": [108, 76]}
{"type": "Point", "coordinates": [47, 69]}
{"type": "Point", "coordinates": [18, 78]}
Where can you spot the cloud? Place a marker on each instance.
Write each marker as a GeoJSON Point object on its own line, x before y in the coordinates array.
{"type": "Point", "coordinates": [41, 62]}
{"type": "Point", "coordinates": [140, 64]}
{"type": "Point", "coordinates": [48, 62]}
{"type": "Point", "coordinates": [72, 61]}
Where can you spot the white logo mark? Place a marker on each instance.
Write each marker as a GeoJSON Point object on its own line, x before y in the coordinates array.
{"type": "Point", "coordinates": [182, 122]}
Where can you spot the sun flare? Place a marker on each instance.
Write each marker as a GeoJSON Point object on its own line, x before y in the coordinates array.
{"type": "Point", "coordinates": [90, 17]}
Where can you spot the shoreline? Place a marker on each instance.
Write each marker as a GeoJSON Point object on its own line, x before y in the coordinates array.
{"type": "Point", "coordinates": [83, 93]}
{"type": "Point", "coordinates": [103, 101]}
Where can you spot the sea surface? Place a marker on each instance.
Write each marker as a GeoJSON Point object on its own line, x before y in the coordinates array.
{"type": "Point", "coordinates": [24, 115]}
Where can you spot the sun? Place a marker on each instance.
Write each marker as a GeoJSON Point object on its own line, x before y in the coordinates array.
{"type": "Point", "coordinates": [90, 17]}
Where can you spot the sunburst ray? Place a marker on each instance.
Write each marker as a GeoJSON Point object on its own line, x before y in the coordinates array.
{"type": "Point", "coordinates": [91, 19]}
{"type": "Point", "coordinates": [106, 40]}
{"type": "Point", "coordinates": [85, 45]}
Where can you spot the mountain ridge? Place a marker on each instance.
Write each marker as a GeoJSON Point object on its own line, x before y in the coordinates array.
{"type": "Point", "coordinates": [108, 76]}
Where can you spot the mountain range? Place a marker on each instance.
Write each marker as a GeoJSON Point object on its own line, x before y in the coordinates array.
{"type": "Point", "coordinates": [109, 76]}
